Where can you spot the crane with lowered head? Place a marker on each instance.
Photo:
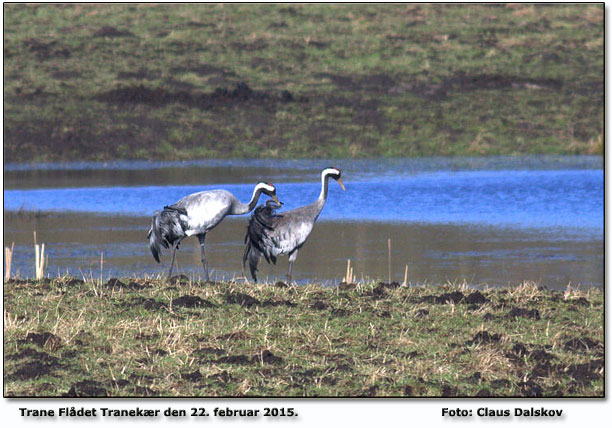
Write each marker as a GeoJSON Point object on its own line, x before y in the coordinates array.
{"type": "Point", "coordinates": [197, 214]}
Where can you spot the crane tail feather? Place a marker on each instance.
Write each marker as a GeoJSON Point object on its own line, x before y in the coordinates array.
{"type": "Point", "coordinates": [167, 228]}
{"type": "Point", "coordinates": [258, 241]}
{"type": "Point", "coordinates": [252, 255]}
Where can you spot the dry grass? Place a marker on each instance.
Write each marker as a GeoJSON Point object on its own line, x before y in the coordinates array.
{"type": "Point", "coordinates": [150, 337]}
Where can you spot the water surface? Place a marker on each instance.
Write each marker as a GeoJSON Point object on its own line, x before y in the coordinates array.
{"type": "Point", "coordinates": [494, 220]}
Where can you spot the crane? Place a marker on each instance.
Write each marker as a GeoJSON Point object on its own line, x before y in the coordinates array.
{"type": "Point", "coordinates": [196, 214]}
{"type": "Point", "coordinates": [273, 234]}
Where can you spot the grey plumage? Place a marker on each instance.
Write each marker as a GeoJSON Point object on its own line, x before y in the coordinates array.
{"type": "Point", "coordinates": [196, 214]}
{"type": "Point", "coordinates": [258, 239]}
{"type": "Point", "coordinates": [166, 229]}
{"type": "Point", "coordinates": [271, 234]}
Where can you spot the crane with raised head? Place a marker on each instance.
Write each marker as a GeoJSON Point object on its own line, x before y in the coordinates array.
{"type": "Point", "coordinates": [272, 234]}
{"type": "Point", "coordinates": [197, 214]}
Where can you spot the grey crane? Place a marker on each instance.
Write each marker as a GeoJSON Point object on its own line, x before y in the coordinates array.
{"type": "Point", "coordinates": [271, 234]}
{"type": "Point", "coordinates": [196, 214]}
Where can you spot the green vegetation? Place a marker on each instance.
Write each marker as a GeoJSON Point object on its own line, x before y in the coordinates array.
{"type": "Point", "coordinates": [182, 81]}
{"type": "Point", "coordinates": [146, 337]}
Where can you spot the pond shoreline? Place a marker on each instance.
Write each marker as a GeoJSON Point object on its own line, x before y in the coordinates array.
{"type": "Point", "coordinates": [433, 253]}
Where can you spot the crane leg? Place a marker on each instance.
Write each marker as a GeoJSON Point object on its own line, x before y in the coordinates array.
{"type": "Point", "coordinates": [292, 258]}
{"type": "Point", "coordinates": [289, 272]}
{"type": "Point", "coordinates": [202, 239]}
{"type": "Point", "coordinates": [174, 247]}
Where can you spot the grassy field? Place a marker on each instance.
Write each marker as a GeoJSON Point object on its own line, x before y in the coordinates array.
{"type": "Point", "coordinates": [183, 81]}
{"type": "Point", "coordinates": [146, 337]}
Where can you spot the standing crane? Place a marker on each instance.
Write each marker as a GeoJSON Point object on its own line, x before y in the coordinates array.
{"type": "Point", "coordinates": [271, 234]}
{"type": "Point", "coordinates": [196, 214]}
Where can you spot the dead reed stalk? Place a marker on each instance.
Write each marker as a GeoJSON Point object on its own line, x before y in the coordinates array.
{"type": "Point", "coordinates": [349, 278]}
{"type": "Point", "coordinates": [8, 260]}
{"type": "Point", "coordinates": [389, 258]}
{"type": "Point", "coordinates": [39, 259]}
{"type": "Point", "coordinates": [405, 283]}
{"type": "Point", "coordinates": [101, 266]}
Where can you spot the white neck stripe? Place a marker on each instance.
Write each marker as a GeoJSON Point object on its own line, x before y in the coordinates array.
{"type": "Point", "coordinates": [328, 171]}
{"type": "Point", "coordinates": [265, 186]}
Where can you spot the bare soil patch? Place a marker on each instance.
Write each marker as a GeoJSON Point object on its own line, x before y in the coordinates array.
{"type": "Point", "coordinates": [45, 340]}
{"type": "Point", "coordinates": [87, 388]}
{"type": "Point", "coordinates": [241, 299]}
{"type": "Point", "coordinates": [241, 94]}
{"type": "Point", "coordinates": [189, 301]}
{"type": "Point", "coordinates": [524, 313]}
{"type": "Point", "coordinates": [110, 31]}
{"type": "Point", "coordinates": [581, 344]}
{"type": "Point", "coordinates": [484, 337]}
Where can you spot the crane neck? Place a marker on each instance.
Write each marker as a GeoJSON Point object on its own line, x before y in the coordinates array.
{"type": "Point", "coordinates": [320, 202]}
{"type": "Point", "coordinates": [242, 208]}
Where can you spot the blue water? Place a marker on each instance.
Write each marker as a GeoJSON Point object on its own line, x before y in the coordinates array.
{"type": "Point", "coordinates": [495, 221]}
{"type": "Point", "coordinates": [524, 198]}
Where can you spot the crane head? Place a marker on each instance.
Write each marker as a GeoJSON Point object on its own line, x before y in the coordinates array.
{"type": "Point", "coordinates": [334, 173]}
{"type": "Point", "coordinates": [270, 190]}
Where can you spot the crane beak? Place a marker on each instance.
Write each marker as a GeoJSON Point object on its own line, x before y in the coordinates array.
{"type": "Point", "coordinates": [341, 184]}
{"type": "Point", "coordinates": [275, 199]}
